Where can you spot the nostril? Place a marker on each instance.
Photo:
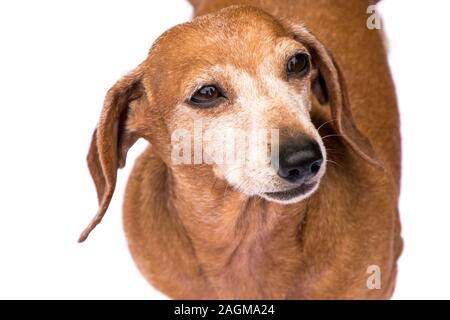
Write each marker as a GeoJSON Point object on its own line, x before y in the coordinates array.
{"type": "Point", "coordinates": [315, 166]}
{"type": "Point", "coordinates": [294, 173]}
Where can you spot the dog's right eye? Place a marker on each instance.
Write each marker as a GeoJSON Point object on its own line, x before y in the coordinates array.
{"type": "Point", "coordinates": [206, 96]}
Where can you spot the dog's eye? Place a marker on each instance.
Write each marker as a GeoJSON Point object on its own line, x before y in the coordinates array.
{"type": "Point", "coordinates": [298, 65]}
{"type": "Point", "coordinates": [206, 96]}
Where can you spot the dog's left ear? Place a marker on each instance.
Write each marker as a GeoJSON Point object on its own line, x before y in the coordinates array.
{"type": "Point", "coordinates": [111, 140]}
{"type": "Point", "coordinates": [330, 87]}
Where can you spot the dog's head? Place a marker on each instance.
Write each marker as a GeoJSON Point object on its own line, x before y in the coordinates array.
{"type": "Point", "coordinates": [232, 82]}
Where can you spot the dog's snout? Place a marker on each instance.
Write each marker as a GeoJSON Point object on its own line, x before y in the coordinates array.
{"type": "Point", "coordinates": [300, 160]}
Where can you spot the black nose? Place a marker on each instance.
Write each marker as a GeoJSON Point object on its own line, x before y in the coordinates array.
{"type": "Point", "coordinates": [300, 159]}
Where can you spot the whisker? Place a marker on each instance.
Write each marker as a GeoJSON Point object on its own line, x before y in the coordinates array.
{"type": "Point", "coordinates": [326, 122]}
{"type": "Point", "coordinates": [214, 183]}
{"type": "Point", "coordinates": [333, 151]}
{"type": "Point", "coordinates": [332, 135]}
{"type": "Point", "coordinates": [335, 163]}
{"type": "Point", "coordinates": [226, 189]}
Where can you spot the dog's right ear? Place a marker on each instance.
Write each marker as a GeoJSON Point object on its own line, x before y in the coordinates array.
{"type": "Point", "coordinates": [111, 140]}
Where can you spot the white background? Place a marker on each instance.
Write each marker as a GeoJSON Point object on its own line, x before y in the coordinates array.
{"type": "Point", "coordinates": [57, 60]}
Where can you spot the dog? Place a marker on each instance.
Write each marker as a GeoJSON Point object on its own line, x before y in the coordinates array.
{"type": "Point", "coordinates": [320, 222]}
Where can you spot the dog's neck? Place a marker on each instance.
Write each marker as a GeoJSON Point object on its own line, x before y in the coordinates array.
{"type": "Point", "coordinates": [235, 237]}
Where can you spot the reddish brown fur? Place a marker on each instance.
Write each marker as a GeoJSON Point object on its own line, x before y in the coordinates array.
{"type": "Point", "coordinates": [191, 235]}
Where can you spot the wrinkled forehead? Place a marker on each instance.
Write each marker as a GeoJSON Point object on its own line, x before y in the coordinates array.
{"type": "Point", "coordinates": [242, 37]}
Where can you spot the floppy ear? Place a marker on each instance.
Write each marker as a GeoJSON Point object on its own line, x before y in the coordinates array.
{"type": "Point", "coordinates": [329, 86]}
{"type": "Point", "coordinates": [111, 141]}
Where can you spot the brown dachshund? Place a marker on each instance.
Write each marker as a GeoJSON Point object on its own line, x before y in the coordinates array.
{"type": "Point", "coordinates": [320, 221]}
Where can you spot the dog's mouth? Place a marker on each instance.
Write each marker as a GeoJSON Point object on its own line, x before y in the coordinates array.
{"type": "Point", "coordinates": [289, 195]}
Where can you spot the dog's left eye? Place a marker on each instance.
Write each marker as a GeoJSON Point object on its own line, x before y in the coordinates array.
{"type": "Point", "coordinates": [298, 65]}
{"type": "Point", "coordinates": [206, 96]}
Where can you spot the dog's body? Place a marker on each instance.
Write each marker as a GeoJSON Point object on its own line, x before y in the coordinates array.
{"type": "Point", "coordinates": [195, 237]}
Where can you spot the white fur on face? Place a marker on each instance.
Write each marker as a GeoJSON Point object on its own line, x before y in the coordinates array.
{"type": "Point", "coordinates": [257, 101]}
